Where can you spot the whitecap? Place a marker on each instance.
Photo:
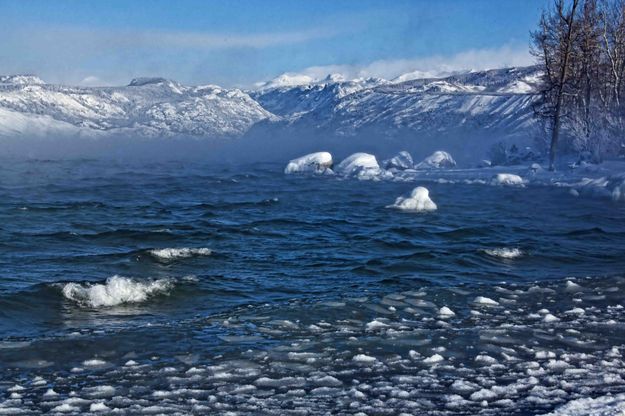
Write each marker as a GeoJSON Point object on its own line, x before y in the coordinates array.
{"type": "Point", "coordinates": [116, 290]}
{"type": "Point", "coordinates": [179, 253]}
{"type": "Point", "coordinates": [504, 252]}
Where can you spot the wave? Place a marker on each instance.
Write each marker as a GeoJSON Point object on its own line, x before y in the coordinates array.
{"type": "Point", "coordinates": [115, 291]}
{"type": "Point", "coordinates": [179, 253]}
{"type": "Point", "coordinates": [504, 252]}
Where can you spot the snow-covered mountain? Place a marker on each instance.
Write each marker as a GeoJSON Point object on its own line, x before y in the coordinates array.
{"type": "Point", "coordinates": [464, 113]}
{"type": "Point", "coordinates": [466, 110]}
{"type": "Point", "coordinates": [147, 107]}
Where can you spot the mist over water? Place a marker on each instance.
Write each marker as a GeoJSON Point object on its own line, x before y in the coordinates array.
{"type": "Point", "coordinates": [210, 287]}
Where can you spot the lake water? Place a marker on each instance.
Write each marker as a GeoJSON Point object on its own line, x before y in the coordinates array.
{"type": "Point", "coordinates": [188, 288]}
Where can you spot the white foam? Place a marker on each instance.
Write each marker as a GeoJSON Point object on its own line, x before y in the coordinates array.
{"type": "Point", "coordinates": [179, 253]}
{"type": "Point", "coordinates": [319, 162]}
{"type": "Point", "coordinates": [116, 290]}
{"type": "Point", "coordinates": [504, 252]}
{"type": "Point", "coordinates": [418, 201]}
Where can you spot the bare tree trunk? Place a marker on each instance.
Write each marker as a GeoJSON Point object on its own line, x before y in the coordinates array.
{"type": "Point", "coordinates": [555, 132]}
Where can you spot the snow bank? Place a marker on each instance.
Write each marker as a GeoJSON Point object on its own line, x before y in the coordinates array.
{"type": "Point", "coordinates": [507, 179]}
{"type": "Point", "coordinates": [362, 166]}
{"type": "Point", "coordinates": [437, 160]}
{"type": "Point", "coordinates": [419, 200]}
{"type": "Point", "coordinates": [116, 290]}
{"type": "Point", "coordinates": [401, 161]}
{"type": "Point", "coordinates": [319, 162]}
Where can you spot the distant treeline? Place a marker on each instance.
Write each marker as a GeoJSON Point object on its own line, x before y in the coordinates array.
{"type": "Point", "coordinates": [580, 45]}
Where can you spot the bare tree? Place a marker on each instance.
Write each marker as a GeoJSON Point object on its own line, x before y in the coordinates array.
{"type": "Point", "coordinates": [553, 45]}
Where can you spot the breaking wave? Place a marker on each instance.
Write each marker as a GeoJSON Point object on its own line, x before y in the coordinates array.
{"type": "Point", "coordinates": [179, 253]}
{"type": "Point", "coordinates": [505, 253]}
{"type": "Point", "coordinates": [115, 291]}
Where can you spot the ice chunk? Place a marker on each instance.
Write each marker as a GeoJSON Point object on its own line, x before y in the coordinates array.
{"type": "Point", "coordinates": [550, 318]}
{"type": "Point", "coordinates": [481, 300]}
{"type": "Point", "coordinates": [401, 161]}
{"type": "Point", "coordinates": [363, 358]}
{"type": "Point", "coordinates": [319, 162]}
{"type": "Point", "coordinates": [436, 358]}
{"type": "Point", "coordinates": [437, 160]}
{"type": "Point", "coordinates": [507, 179]}
{"type": "Point", "coordinates": [419, 200]}
{"type": "Point", "coordinates": [445, 312]}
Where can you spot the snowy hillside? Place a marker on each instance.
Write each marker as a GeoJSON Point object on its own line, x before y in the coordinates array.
{"type": "Point", "coordinates": [473, 109]}
{"type": "Point", "coordinates": [147, 107]}
{"type": "Point", "coordinates": [468, 110]}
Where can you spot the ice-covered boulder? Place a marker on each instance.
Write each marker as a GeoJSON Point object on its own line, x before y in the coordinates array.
{"type": "Point", "coordinates": [437, 160]}
{"type": "Point", "coordinates": [401, 161]}
{"type": "Point", "coordinates": [319, 162]}
{"type": "Point", "coordinates": [362, 166]}
{"type": "Point", "coordinates": [419, 200]}
{"type": "Point", "coordinates": [507, 179]}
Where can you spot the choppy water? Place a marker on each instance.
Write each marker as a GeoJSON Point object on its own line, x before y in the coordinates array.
{"type": "Point", "coordinates": [177, 288]}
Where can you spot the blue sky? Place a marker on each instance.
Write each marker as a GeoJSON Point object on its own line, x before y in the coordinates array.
{"type": "Point", "coordinates": [237, 43]}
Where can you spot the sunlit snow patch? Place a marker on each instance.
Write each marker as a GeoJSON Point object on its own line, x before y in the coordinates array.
{"type": "Point", "coordinates": [319, 162]}
{"type": "Point", "coordinates": [437, 160]}
{"type": "Point", "coordinates": [419, 200]}
{"type": "Point", "coordinates": [116, 290]}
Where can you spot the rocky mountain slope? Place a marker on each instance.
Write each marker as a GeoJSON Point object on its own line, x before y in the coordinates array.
{"type": "Point", "coordinates": [467, 109]}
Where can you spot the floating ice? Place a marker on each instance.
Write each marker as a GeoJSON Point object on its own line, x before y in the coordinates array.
{"type": "Point", "coordinates": [437, 160]}
{"type": "Point", "coordinates": [419, 200]}
{"type": "Point", "coordinates": [179, 253]}
{"type": "Point", "coordinates": [609, 405]}
{"type": "Point", "coordinates": [436, 358]}
{"type": "Point", "coordinates": [115, 291]}
{"type": "Point", "coordinates": [507, 179]}
{"type": "Point", "coordinates": [481, 300]}
{"type": "Point", "coordinates": [504, 252]}
{"type": "Point", "coordinates": [363, 358]}
{"type": "Point", "coordinates": [319, 162]}
{"type": "Point", "coordinates": [401, 161]}
{"type": "Point", "coordinates": [445, 312]}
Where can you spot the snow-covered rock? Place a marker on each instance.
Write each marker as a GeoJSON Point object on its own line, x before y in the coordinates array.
{"type": "Point", "coordinates": [438, 159]}
{"type": "Point", "coordinates": [418, 201]}
{"type": "Point", "coordinates": [319, 162]}
{"type": "Point", "coordinates": [361, 166]}
{"type": "Point", "coordinates": [507, 179]}
{"type": "Point", "coordinates": [401, 161]}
